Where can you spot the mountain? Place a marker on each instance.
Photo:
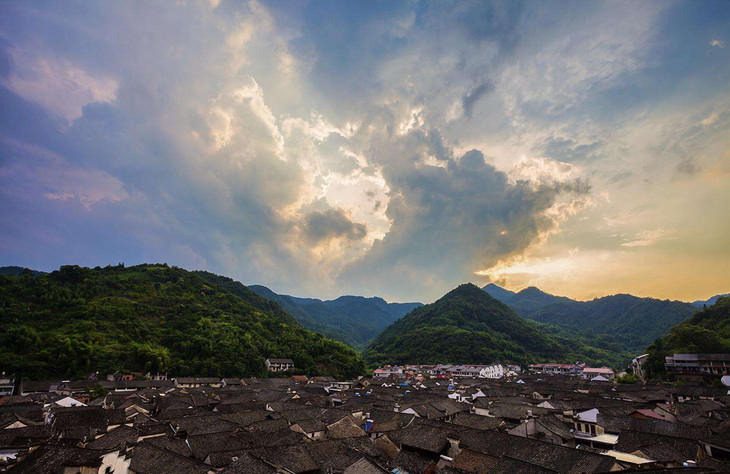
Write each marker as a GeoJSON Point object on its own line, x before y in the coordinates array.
{"type": "Point", "coordinates": [469, 326]}
{"type": "Point", "coordinates": [152, 317]}
{"type": "Point", "coordinates": [18, 271]}
{"type": "Point", "coordinates": [355, 320]}
{"type": "Point", "coordinates": [634, 322]}
{"type": "Point", "coordinates": [709, 301]}
{"type": "Point", "coordinates": [706, 332]}
{"type": "Point", "coordinates": [498, 292]}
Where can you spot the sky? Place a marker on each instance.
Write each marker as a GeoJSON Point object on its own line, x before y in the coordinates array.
{"type": "Point", "coordinates": [390, 148]}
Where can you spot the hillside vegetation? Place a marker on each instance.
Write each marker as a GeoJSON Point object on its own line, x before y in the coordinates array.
{"type": "Point", "coordinates": [618, 322]}
{"type": "Point", "coordinates": [355, 320]}
{"type": "Point", "coordinates": [152, 317]}
{"type": "Point", "coordinates": [469, 326]}
{"type": "Point", "coordinates": [706, 332]}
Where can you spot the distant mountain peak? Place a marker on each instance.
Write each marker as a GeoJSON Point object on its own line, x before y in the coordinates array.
{"type": "Point", "coordinates": [498, 292]}
{"type": "Point", "coordinates": [710, 301]}
{"type": "Point", "coordinates": [466, 325]}
{"type": "Point", "coordinates": [532, 290]}
{"type": "Point", "coordinates": [16, 271]}
{"type": "Point", "coordinates": [354, 298]}
{"type": "Point", "coordinates": [464, 288]}
{"type": "Point", "coordinates": [353, 319]}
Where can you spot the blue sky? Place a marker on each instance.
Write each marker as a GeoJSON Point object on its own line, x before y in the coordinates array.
{"type": "Point", "coordinates": [388, 148]}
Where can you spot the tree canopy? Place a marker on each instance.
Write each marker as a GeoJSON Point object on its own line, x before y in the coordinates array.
{"type": "Point", "coordinates": [76, 320]}
{"type": "Point", "coordinates": [468, 325]}
{"type": "Point", "coordinates": [706, 332]}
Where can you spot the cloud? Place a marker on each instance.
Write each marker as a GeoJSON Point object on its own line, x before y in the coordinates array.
{"type": "Point", "coordinates": [687, 166]}
{"type": "Point", "coordinates": [450, 221]}
{"type": "Point", "coordinates": [322, 226]}
{"type": "Point", "coordinates": [649, 237]}
{"type": "Point", "coordinates": [333, 148]}
{"type": "Point", "coordinates": [716, 43]}
{"type": "Point", "coordinates": [568, 150]}
{"type": "Point", "coordinates": [57, 84]}
{"type": "Point", "coordinates": [469, 100]}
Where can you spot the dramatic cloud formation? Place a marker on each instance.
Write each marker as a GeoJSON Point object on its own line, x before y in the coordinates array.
{"type": "Point", "coordinates": [395, 149]}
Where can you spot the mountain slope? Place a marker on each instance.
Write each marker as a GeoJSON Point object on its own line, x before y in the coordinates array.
{"type": "Point", "coordinates": [152, 317]}
{"type": "Point", "coordinates": [355, 320]}
{"type": "Point", "coordinates": [17, 271]}
{"type": "Point", "coordinates": [709, 301]}
{"type": "Point", "coordinates": [634, 321]}
{"type": "Point", "coordinates": [706, 332]}
{"type": "Point", "coordinates": [469, 326]}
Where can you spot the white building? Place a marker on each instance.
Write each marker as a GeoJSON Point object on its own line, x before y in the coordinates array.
{"type": "Point", "coordinates": [493, 371]}
{"type": "Point", "coordinates": [7, 383]}
{"type": "Point", "coordinates": [591, 373]}
{"type": "Point", "coordinates": [637, 365]}
{"type": "Point", "coordinates": [279, 365]}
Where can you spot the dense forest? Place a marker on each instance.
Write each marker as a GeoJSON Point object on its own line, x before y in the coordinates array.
{"type": "Point", "coordinates": [468, 325]}
{"type": "Point", "coordinates": [76, 320]}
{"type": "Point", "coordinates": [355, 320]}
{"type": "Point", "coordinates": [621, 322]}
{"type": "Point", "coordinates": [706, 332]}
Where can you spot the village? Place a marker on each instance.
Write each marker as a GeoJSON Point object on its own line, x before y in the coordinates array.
{"type": "Point", "coordinates": [414, 418]}
{"type": "Point", "coordinates": [494, 371]}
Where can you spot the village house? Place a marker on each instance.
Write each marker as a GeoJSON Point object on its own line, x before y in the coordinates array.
{"type": "Point", "coordinates": [698, 364]}
{"type": "Point", "coordinates": [197, 382]}
{"type": "Point", "coordinates": [637, 365]}
{"type": "Point", "coordinates": [116, 376]}
{"type": "Point", "coordinates": [493, 371]}
{"type": "Point", "coordinates": [29, 387]}
{"type": "Point", "coordinates": [557, 369]}
{"type": "Point", "coordinates": [531, 423]}
{"type": "Point", "coordinates": [604, 372]}
{"type": "Point", "coordinates": [157, 376]}
{"type": "Point", "coordinates": [279, 365]}
{"type": "Point", "coordinates": [7, 384]}
{"type": "Point", "coordinates": [589, 432]}
{"type": "Point", "coordinates": [387, 371]}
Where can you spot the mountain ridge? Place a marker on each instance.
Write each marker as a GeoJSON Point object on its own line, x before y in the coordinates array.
{"type": "Point", "coordinates": [637, 321]}
{"type": "Point", "coordinates": [705, 332]}
{"type": "Point", "coordinates": [709, 301]}
{"type": "Point", "coordinates": [352, 319]}
{"type": "Point", "coordinates": [467, 325]}
{"type": "Point", "coordinates": [76, 320]}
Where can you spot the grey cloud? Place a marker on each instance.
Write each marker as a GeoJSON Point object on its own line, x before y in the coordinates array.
{"type": "Point", "coordinates": [469, 100]}
{"type": "Point", "coordinates": [687, 166]}
{"type": "Point", "coordinates": [618, 177]}
{"type": "Point", "coordinates": [568, 150]}
{"type": "Point", "coordinates": [321, 226]}
{"type": "Point", "coordinates": [6, 61]}
{"type": "Point", "coordinates": [186, 202]}
{"type": "Point", "coordinates": [189, 205]}
{"type": "Point", "coordinates": [448, 222]}
{"type": "Point", "coordinates": [495, 21]}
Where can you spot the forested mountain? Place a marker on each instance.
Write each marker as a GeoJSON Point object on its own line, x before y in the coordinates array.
{"type": "Point", "coordinates": [17, 271]}
{"type": "Point", "coordinates": [709, 301]}
{"type": "Point", "coordinates": [152, 317]}
{"type": "Point", "coordinates": [706, 332]}
{"type": "Point", "coordinates": [355, 320]}
{"type": "Point", "coordinates": [469, 326]}
{"type": "Point", "coordinates": [634, 322]}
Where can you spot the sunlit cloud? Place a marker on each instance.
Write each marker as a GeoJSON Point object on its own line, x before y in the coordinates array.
{"type": "Point", "coordinates": [649, 237]}
{"type": "Point", "coordinates": [57, 84]}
